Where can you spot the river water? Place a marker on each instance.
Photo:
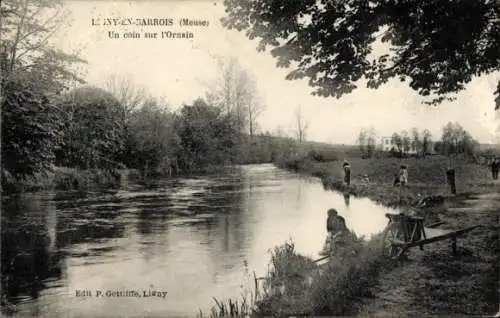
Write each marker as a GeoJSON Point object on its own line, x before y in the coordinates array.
{"type": "Point", "coordinates": [194, 238]}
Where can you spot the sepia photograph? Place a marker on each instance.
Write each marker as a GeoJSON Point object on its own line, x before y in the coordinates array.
{"type": "Point", "coordinates": [250, 158]}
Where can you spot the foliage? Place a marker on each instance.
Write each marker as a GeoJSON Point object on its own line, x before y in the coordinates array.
{"type": "Point", "coordinates": [438, 46]}
{"type": "Point", "coordinates": [295, 285]}
{"type": "Point", "coordinates": [419, 143]}
{"type": "Point", "coordinates": [235, 93]}
{"type": "Point", "coordinates": [32, 73]}
{"type": "Point", "coordinates": [397, 140]}
{"type": "Point", "coordinates": [455, 140]}
{"type": "Point", "coordinates": [152, 142]}
{"type": "Point", "coordinates": [426, 142]}
{"type": "Point", "coordinates": [26, 28]}
{"type": "Point", "coordinates": [301, 125]}
{"type": "Point", "coordinates": [207, 136]}
{"type": "Point", "coordinates": [405, 141]}
{"type": "Point", "coordinates": [361, 141]}
{"type": "Point", "coordinates": [367, 142]}
{"type": "Point", "coordinates": [93, 132]}
{"type": "Point", "coordinates": [30, 130]}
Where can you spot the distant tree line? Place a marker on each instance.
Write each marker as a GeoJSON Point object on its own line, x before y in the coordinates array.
{"type": "Point", "coordinates": [455, 140]}
{"type": "Point", "coordinates": [416, 142]}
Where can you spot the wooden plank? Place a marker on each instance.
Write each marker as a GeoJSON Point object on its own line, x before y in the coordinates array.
{"type": "Point", "coordinates": [435, 224]}
{"type": "Point", "coordinates": [322, 258]}
{"type": "Point", "coordinates": [397, 216]}
{"type": "Point", "coordinates": [447, 235]}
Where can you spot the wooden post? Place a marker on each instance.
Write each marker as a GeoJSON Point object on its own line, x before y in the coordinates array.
{"type": "Point", "coordinates": [450, 176]}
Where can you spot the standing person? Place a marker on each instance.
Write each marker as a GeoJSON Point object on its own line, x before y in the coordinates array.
{"type": "Point", "coordinates": [403, 175]}
{"type": "Point", "coordinates": [496, 168]}
{"type": "Point", "coordinates": [347, 173]}
{"type": "Point", "coordinates": [492, 165]}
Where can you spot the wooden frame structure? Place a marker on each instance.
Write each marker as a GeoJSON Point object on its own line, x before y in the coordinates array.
{"type": "Point", "coordinates": [404, 232]}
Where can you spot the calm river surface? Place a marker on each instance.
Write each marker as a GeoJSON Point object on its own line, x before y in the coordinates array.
{"type": "Point", "coordinates": [190, 237]}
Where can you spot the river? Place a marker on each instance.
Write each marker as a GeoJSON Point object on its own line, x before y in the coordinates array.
{"type": "Point", "coordinates": [193, 237]}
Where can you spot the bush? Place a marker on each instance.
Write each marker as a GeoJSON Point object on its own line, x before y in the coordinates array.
{"type": "Point", "coordinates": [323, 155]}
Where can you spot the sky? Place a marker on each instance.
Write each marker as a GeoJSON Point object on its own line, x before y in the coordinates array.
{"type": "Point", "coordinates": [181, 70]}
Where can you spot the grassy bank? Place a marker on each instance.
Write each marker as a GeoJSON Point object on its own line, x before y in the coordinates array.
{"type": "Point", "coordinates": [62, 178]}
{"type": "Point", "coordinates": [373, 178]}
{"type": "Point", "coordinates": [432, 282]}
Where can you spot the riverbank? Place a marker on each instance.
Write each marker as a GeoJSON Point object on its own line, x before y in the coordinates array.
{"type": "Point", "coordinates": [432, 282]}
{"type": "Point", "coordinates": [62, 178]}
{"type": "Point", "coordinates": [373, 178]}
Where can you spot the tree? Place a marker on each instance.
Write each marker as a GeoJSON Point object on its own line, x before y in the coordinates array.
{"type": "Point", "coordinates": [32, 74]}
{"type": "Point", "coordinates": [371, 142]}
{"type": "Point", "coordinates": [301, 125]}
{"type": "Point", "coordinates": [153, 144]}
{"type": "Point", "coordinates": [426, 142]}
{"type": "Point", "coordinates": [27, 26]}
{"type": "Point", "coordinates": [208, 136]}
{"type": "Point", "coordinates": [456, 140]}
{"type": "Point", "coordinates": [416, 142]}
{"type": "Point", "coordinates": [405, 141]}
{"type": "Point", "coordinates": [361, 141]}
{"type": "Point", "coordinates": [367, 142]}
{"type": "Point", "coordinates": [397, 141]}
{"type": "Point", "coordinates": [437, 46]}
{"type": "Point", "coordinates": [128, 94]}
{"type": "Point", "coordinates": [254, 110]}
{"type": "Point", "coordinates": [235, 92]}
{"type": "Point", "coordinates": [31, 130]}
{"type": "Point", "coordinates": [93, 129]}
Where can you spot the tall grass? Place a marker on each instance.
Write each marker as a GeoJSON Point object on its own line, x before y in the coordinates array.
{"type": "Point", "coordinates": [331, 289]}
{"type": "Point", "coordinates": [243, 306]}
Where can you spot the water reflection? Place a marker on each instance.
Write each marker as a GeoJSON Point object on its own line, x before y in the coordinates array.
{"type": "Point", "coordinates": [189, 236]}
{"type": "Point", "coordinates": [29, 258]}
{"type": "Point", "coordinates": [347, 199]}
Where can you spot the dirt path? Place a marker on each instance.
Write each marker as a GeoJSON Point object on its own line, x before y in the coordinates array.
{"type": "Point", "coordinates": [434, 282]}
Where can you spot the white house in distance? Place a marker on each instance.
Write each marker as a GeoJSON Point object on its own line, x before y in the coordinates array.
{"type": "Point", "coordinates": [386, 144]}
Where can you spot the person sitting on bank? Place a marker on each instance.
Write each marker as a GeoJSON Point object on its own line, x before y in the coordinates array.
{"type": "Point", "coordinates": [335, 223]}
{"type": "Point", "coordinates": [336, 227]}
